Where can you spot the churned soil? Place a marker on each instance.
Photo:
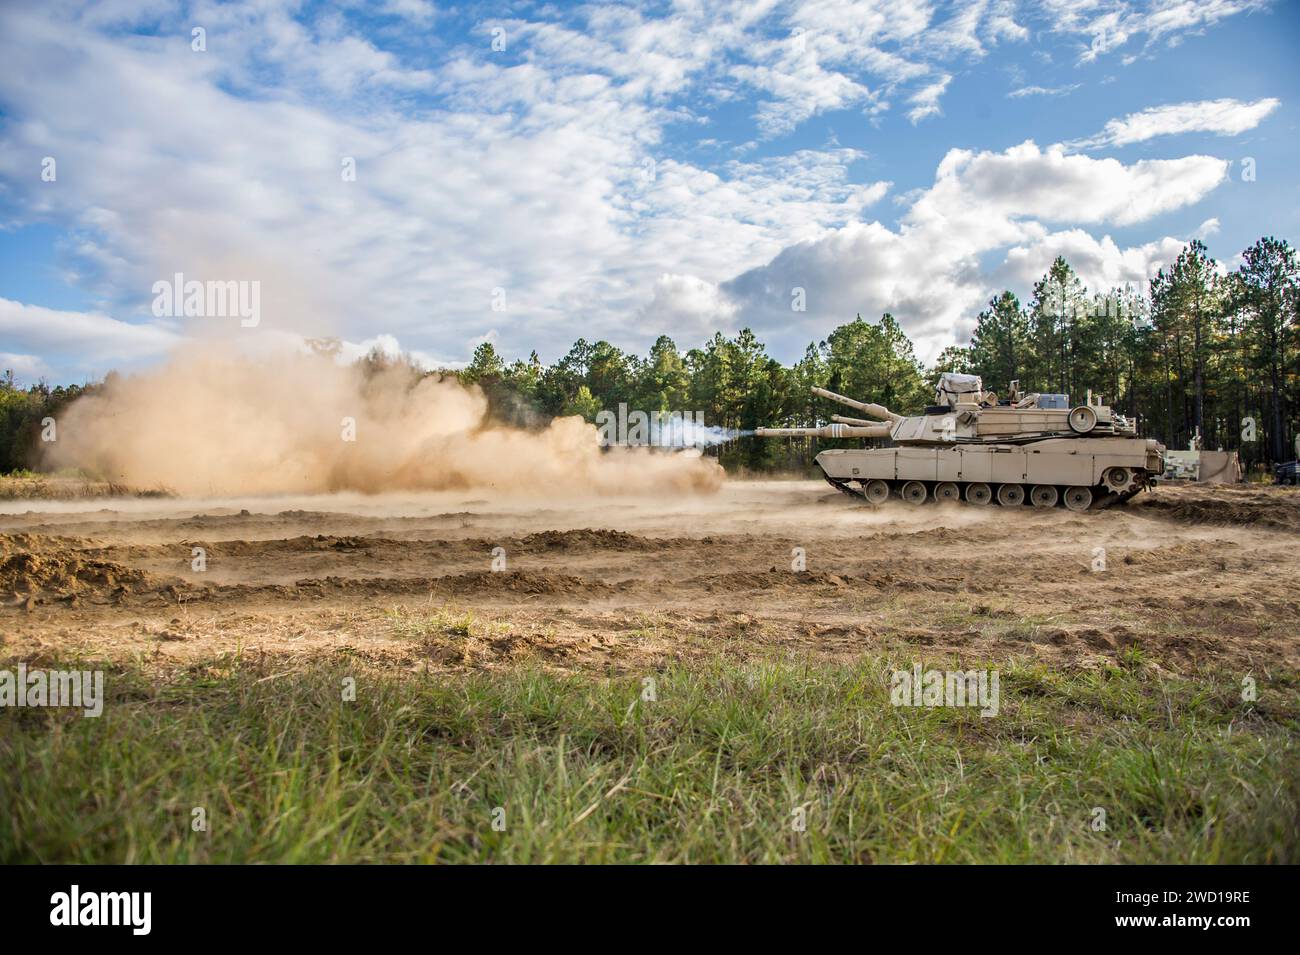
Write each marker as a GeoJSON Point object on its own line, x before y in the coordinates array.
{"type": "Point", "coordinates": [1186, 576]}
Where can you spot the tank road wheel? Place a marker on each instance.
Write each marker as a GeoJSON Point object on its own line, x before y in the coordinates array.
{"type": "Point", "coordinates": [914, 492]}
{"type": "Point", "coordinates": [1043, 495]}
{"type": "Point", "coordinates": [1078, 498]}
{"type": "Point", "coordinates": [877, 491]}
{"type": "Point", "coordinates": [947, 493]}
{"type": "Point", "coordinates": [978, 493]}
{"type": "Point", "coordinates": [1117, 479]}
{"type": "Point", "coordinates": [1011, 495]}
{"type": "Point", "coordinates": [1082, 419]}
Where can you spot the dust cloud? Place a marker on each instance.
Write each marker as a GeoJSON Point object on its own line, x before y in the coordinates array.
{"type": "Point", "coordinates": [213, 421]}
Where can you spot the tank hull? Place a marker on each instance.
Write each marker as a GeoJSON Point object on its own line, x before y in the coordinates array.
{"type": "Point", "coordinates": [1111, 467]}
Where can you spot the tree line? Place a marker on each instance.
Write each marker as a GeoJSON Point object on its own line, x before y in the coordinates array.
{"type": "Point", "coordinates": [22, 411]}
{"type": "Point", "coordinates": [1203, 351]}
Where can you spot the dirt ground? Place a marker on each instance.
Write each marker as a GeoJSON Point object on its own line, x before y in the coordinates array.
{"type": "Point", "coordinates": [1186, 576]}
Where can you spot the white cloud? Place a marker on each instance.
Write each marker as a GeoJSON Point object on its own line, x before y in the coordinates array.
{"type": "Point", "coordinates": [1226, 117]}
{"type": "Point", "coordinates": [925, 101]}
{"type": "Point", "coordinates": [26, 368]}
{"type": "Point", "coordinates": [799, 90]}
{"type": "Point", "coordinates": [389, 346]}
{"type": "Point", "coordinates": [77, 344]}
{"type": "Point", "coordinates": [837, 54]}
{"type": "Point", "coordinates": [960, 33]}
{"type": "Point", "coordinates": [549, 173]}
{"type": "Point", "coordinates": [1104, 26]}
{"type": "Point", "coordinates": [1002, 24]}
{"type": "Point", "coordinates": [535, 184]}
{"type": "Point", "coordinates": [928, 272]}
{"type": "Point", "coordinates": [420, 12]}
{"type": "Point", "coordinates": [1025, 91]}
{"type": "Point", "coordinates": [987, 192]}
{"type": "Point", "coordinates": [1207, 228]}
{"type": "Point", "coordinates": [1100, 263]}
{"type": "Point", "coordinates": [1176, 17]}
{"type": "Point", "coordinates": [688, 307]}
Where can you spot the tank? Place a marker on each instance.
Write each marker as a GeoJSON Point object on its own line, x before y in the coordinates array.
{"type": "Point", "coordinates": [972, 446]}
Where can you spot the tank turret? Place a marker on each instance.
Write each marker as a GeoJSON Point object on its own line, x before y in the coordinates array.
{"type": "Point", "coordinates": [969, 445]}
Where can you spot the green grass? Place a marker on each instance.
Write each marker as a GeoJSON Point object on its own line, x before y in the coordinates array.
{"type": "Point", "coordinates": [712, 771]}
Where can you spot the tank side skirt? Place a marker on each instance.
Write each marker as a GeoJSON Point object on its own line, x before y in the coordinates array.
{"type": "Point", "coordinates": [915, 464]}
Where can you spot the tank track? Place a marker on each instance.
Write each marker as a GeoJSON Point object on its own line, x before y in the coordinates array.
{"type": "Point", "coordinates": [1103, 496]}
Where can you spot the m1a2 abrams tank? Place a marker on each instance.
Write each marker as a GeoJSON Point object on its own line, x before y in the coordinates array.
{"type": "Point", "coordinates": [970, 446]}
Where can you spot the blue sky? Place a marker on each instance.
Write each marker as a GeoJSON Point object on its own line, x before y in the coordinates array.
{"type": "Point", "coordinates": [616, 171]}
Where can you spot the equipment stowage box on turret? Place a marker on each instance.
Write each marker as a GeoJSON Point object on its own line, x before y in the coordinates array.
{"type": "Point", "coordinates": [969, 446]}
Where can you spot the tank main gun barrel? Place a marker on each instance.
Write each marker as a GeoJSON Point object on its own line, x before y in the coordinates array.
{"type": "Point", "coordinates": [875, 430]}
{"type": "Point", "coordinates": [856, 422]}
{"type": "Point", "coordinates": [876, 411]}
